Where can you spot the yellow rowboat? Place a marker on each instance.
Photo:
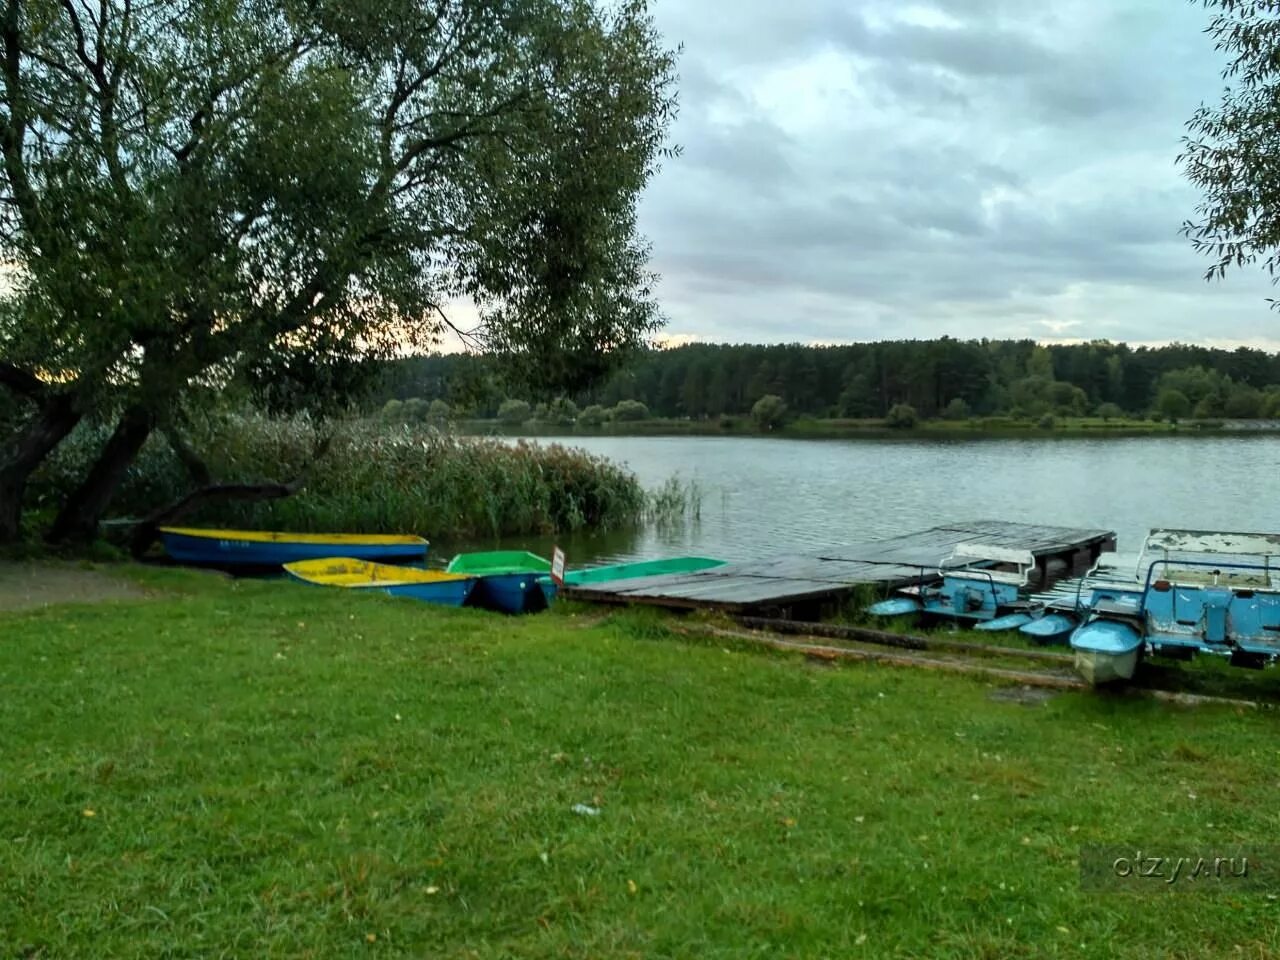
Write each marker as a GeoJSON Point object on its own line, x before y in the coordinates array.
{"type": "Point", "coordinates": [434, 586]}
{"type": "Point", "coordinates": [263, 548]}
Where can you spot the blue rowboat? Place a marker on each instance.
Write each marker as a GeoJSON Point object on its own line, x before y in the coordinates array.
{"type": "Point", "coordinates": [507, 579]}
{"type": "Point", "coordinates": [1051, 628]}
{"type": "Point", "coordinates": [450, 589]}
{"type": "Point", "coordinates": [261, 548]}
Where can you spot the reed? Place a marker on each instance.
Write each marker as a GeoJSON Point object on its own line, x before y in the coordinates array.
{"type": "Point", "coordinates": [675, 503]}
{"type": "Point", "coordinates": [376, 477]}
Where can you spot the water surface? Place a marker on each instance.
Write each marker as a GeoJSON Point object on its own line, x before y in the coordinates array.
{"type": "Point", "coordinates": [769, 496]}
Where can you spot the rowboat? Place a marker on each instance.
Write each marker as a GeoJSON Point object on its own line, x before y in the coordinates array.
{"type": "Point", "coordinates": [450, 589]}
{"type": "Point", "coordinates": [507, 580]}
{"type": "Point", "coordinates": [629, 571]}
{"type": "Point", "coordinates": [262, 548]}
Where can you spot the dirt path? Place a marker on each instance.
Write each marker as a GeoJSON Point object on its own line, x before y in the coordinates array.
{"type": "Point", "coordinates": [24, 586]}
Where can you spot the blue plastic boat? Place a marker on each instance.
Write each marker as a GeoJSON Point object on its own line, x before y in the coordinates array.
{"type": "Point", "coordinates": [1050, 628]}
{"type": "Point", "coordinates": [1010, 621]}
{"type": "Point", "coordinates": [979, 583]}
{"type": "Point", "coordinates": [262, 548]}
{"type": "Point", "coordinates": [1106, 649]}
{"type": "Point", "coordinates": [1203, 592]}
{"type": "Point", "coordinates": [507, 580]}
{"type": "Point", "coordinates": [432, 586]}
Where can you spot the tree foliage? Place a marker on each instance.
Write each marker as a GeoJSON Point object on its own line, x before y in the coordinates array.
{"type": "Point", "coordinates": [208, 191]}
{"type": "Point", "coordinates": [1231, 152]}
{"type": "Point", "coordinates": [865, 380]}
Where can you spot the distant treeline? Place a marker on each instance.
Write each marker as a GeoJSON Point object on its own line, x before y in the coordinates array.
{"type": "Point", "coordinates": [938, 378]}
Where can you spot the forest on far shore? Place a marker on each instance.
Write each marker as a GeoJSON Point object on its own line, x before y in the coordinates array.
{"type": "Point", "coordinates": [944, 378]}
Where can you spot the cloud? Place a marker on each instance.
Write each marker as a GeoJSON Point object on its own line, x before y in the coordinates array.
{"type": "Point", "coordinates": [960, 167]}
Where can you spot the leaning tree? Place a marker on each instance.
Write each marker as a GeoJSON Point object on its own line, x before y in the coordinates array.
{"type": "Point", "coordinates": [197, 192]}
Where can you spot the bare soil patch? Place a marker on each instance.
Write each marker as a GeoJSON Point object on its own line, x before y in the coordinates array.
{"type": "Point", "coordinates": [25, 586]}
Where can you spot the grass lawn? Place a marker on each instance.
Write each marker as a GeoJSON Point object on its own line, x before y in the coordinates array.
{"type": "Point", "coordinates": [261, 769]}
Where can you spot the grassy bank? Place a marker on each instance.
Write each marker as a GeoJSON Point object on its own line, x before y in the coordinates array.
{"type": "Point", "coordinates": [815, 428]}
{"type": "Point", "coordinates": [374, 478]}
{"type": "Point", "coordinates": [258, 769]}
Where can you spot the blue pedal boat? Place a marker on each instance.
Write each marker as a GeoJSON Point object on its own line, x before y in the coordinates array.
{"type": "Point", "coordinates": [264, 548]}
{"type": "Point", "coordinates": [980, 583]}
{"type": "Point", "coordinates": [1204, 592]}
{"type": "Point", "coordinates": [432, 586]}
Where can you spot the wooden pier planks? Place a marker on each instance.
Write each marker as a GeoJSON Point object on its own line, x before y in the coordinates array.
{"type": "Point", "coordinates": [832, 572]}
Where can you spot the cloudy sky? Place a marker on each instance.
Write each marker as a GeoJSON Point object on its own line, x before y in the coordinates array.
{"type": "Point", "coordinates": [871, 169]}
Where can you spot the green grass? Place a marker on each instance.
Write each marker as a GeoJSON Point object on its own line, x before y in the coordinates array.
{"type": "Point", "coordinates": [280, 771]}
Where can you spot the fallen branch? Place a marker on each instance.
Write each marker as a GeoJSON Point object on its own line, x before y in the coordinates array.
{"type": "Point", "coordinates": [148, 529]}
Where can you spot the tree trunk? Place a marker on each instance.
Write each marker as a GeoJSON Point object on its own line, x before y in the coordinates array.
{"type": "Point", "coordinates": [78, 519]}
{"type": "Point", "coordinates": [24, 452]}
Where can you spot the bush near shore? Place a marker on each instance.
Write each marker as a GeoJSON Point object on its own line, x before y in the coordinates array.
{"type": "Point", "coordinates": [373, 477]}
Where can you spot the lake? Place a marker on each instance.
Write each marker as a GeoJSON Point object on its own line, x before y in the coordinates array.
{"type": "Point", "coordinates": [763, 496]}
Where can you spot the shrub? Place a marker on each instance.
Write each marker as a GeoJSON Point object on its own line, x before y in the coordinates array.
{"type": "Point", "coordinates": [630, 410]}
{"type": "Point", "coordinates": [1046, 422]}
{"type": "Point", "coordinates": [592, 416]}
{"type": "Point", "coordinates": [514, 412]}
{"type": "Point", "coordinates": [1109, 411]}
{"type": "Point", "coordinates": [901, 416]}
{"type": "Point", "coordinates": [438, 411]}
{"type": "Point", "coordinates": [957, 409]}
{"type": "Point", "coordinates": [769, 411]}
{"type": "Point", "coordinates": [563, 412]}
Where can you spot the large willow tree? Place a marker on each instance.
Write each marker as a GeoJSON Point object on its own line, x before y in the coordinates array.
{"type": "Point", "coordinates": [201, 190]}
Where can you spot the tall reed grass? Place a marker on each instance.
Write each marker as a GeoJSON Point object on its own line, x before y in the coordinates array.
{"type": "Point", "coordinates": [374, 477]}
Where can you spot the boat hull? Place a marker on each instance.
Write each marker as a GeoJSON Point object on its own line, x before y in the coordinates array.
{"type": "Point", "coordinates": [506, 580]}
{"type": "Point", "coordinates": [1012, 621]}
{"type": "Point", "coordinates": [1051, 628]}
{"type": "Point", "coordinates": [895, 607]}
{"type": "Point", "coordinates": [509, 593]}
{"type": "Point", "coordinates": [358, 576]}
{"type": "Point", "coordinates": [249, 548]}
{"type": "Point", "coordinates": [1097, 667]}
{"type": "Point", "coordinates": [1106, 651]}
{"type": "Point", "coordinates": [640, 568]}
{"type": "Point", "coordinates": [626, 571]}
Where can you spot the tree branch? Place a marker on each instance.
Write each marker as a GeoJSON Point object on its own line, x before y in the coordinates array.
{"type": "Point", "coordinates": [22, 382]}
{"type": "Point", "coordinates": [148, 530]}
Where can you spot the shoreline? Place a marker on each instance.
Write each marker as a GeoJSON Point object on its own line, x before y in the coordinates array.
{"type": "Point", "coordinates": [817, 429]}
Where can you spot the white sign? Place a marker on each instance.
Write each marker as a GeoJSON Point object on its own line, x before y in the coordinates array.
{"type": "Point", "coordinates": [557, 567]}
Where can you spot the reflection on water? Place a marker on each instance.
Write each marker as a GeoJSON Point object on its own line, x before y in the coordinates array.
{"type": "Point", "coordinates": [763, 497]}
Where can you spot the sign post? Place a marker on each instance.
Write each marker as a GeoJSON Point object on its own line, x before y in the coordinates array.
{"type": "Point", "coordinates": [557, 567]}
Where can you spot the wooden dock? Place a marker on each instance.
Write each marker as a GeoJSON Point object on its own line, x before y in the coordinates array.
{"type": "Point", "coordinates": [801, 585]}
